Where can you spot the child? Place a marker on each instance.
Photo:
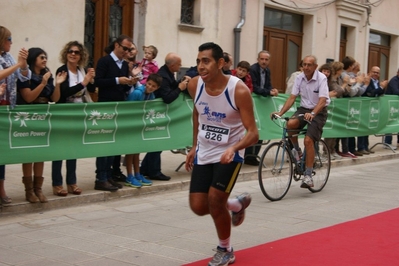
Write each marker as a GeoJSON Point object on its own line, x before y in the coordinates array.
{"type": "Point", "coordinates": [148, 64]}
{"type": "Point", "coordinates": [142, 93]}
{"type": "Point", "coordinates": [242, 72]}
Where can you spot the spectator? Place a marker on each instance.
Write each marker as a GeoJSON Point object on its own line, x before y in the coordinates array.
{"type": "Point", "coordinates": [344, 80]}
{"type": "Point", "coordinates": [393, 89]}
{"type": "Point", "coordinates": [75, 89]}
{"type": "Point", "coordinates": [169, 91]}
{"type": "Point", "coordinates": [228, 62]}
{"type": "Point", "coordinates": [261, 81]}
{"type": "Point", "coordinates": [39, 90]}
{"type": "Point", "coordinates": [142, 93]}
{"type": "Point", "coordinates": [10, 71]}
{"type": "Point", "coordinates": [135, 70]}
{"type": "Point", "coordinates": [374, 89]}
{"type": "Point", "coordinates": [339, 88]}
{"type": "Point", "coordinates": [242, 72]}
{"type": "Point", "coordinates": [328, 70]}
{"type": "Point", "coordinates": [114, 81]}
{"type": "Point", "coordinates": [292, 78]}
{"type": "Point", "coordinates": [359, 82]}
{"type": "Point", "coordinates": [148, 64]}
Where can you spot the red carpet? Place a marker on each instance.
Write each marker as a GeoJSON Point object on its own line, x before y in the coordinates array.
{"type": "Point", "coordinates": [373, 240]}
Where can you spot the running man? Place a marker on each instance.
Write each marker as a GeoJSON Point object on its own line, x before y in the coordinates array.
{"type": "Point", "coordinates": [224, 125]}
{"type": "Point", "coordinates": [312, 86]}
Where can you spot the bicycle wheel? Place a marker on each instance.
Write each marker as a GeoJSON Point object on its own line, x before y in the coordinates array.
{"type": "Point", "coordinates": [275, 171]}
{"type": "Point", "coordinates": [321, 166]}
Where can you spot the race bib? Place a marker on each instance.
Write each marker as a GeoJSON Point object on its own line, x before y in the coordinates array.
{"type": "Point", "coordinates": [214, 134]}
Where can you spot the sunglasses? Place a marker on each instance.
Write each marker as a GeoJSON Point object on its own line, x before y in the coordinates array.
{"type": "Point", "coordinates": [125, 48]}
{"type": "Point", "coordinates": [43, 57]}
{"type": "Point", "coordinates": [77, 52]}
{"type": "Point", "coordinates": [9, 39]}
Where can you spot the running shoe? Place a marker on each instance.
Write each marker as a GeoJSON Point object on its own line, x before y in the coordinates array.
{"type": "Point", "coordinates": [131, 181]}
{"type": "Point", "coordinates": [238, 217]}
{"type": "Point", "coordinates": [307, 182]}
{"type": "Point", "coordinates": [222, 257]}
{"type": "Point", "coordinates": [144, 181]}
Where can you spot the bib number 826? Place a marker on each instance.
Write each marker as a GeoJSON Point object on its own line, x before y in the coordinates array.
{"type": "Point", "coordinates": [213, 136]}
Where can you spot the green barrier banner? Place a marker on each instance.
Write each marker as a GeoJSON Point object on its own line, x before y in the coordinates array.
{"type": "Point", "coordinates": [35, 133]}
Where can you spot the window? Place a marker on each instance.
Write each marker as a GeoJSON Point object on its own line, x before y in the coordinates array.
{"type": "Point", "coordinates": [282, 20]}
{"type": "Point", "coordinates": [187, 12]}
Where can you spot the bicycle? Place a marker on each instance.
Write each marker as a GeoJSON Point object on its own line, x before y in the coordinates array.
{"type": "Point", "coordinates": [278, 165]}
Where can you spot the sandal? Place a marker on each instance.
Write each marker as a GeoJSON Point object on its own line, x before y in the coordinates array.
{"type": "Point", "coordinates": [59, 191]}
{"type": "Point", "coordinates": [5, 200]}
{"type": "Point", "coordinates": [74, 189]}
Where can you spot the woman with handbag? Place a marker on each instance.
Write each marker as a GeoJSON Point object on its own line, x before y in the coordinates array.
{"type": "Point", "coordinates": [75, 89]}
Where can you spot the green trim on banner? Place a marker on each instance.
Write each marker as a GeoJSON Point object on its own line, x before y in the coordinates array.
{"type": "Point", "coordinates": [35, 133]}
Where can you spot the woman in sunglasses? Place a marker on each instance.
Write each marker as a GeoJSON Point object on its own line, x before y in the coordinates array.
{"type": "Point", "coordinates": [39, 89]}
{"type": "Point", "coordinates": [75, 89]}
{"type": "Point", "coordinates": [10, 71]}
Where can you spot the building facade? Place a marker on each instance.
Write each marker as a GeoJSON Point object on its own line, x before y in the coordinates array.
{"type": "Point", "coordinates": [364, 29]}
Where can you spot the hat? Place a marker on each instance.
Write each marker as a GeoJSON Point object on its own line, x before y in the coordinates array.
{"type": "Point", "coordinates": [34, 52]}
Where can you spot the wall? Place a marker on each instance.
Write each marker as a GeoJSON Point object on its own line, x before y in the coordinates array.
{"type": "Point", "coordinates": [46, 24]}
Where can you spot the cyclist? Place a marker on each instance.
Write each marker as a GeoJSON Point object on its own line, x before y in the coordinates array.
{"type": "Point", "coordinates": [312, 86]}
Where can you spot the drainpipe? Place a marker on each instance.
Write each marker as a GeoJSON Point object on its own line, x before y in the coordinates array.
{"type": "Point", "coordinates": [237, 32]}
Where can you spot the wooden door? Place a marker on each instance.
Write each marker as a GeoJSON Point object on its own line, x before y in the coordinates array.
{"type": "Point", "coordinates": [285, 49]}
{"type": "Point", "coordinates": [379, 56]}
{"type": "Point", "coordinates": [105, 21]}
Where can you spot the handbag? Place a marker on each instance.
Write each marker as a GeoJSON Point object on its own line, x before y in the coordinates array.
{"type": "Point", "coordinates": [87, 97]}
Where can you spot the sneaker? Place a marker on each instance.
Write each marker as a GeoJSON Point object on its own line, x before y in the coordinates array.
{"type": "Point", "coordinates": [144, 181]}
{"type": "Point", "coordinates": [222, 257]}
{"type": "Point", "coordinates": [335, 156]}
{"type": "Point", "coordinates": [348, 155]}
{"type": "Point", "coordinates": [118, 176]}
{"type": "Point", "coordinates": [389, 146]}
{"type": "Point", "coordinates": [131, 181]}
{"type": "Point", "coordinates": [238, 217]}
{"type": "Point", "coordinates": [307, 182]}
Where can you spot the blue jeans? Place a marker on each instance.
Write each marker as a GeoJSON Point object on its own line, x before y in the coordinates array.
{"type": "Point", "coordinates": [388, 139]}
{"type": "Point", "coordinates": [2, 172]}
{"type": "Point", "coordinates": [104, 170]}
{"type": "Point", "coordinates": [56, 174]}
{"type": "Point", "coordinates": [151, 164]}
{"type": "Point", "coordinates": [363, 143]}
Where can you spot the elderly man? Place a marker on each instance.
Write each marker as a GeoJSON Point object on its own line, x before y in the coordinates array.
{"type": "Point", "coordinates": [169, 91]}
{"type": "Point", "coordinates": [311, 86]}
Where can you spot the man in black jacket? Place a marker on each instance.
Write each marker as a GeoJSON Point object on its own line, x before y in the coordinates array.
{"type": "Point", "coordinates": [261, 81]}
{"type": "Point", "coordinates": [169, 91]}
{"type": "Point", "coordinates": [113, 82]}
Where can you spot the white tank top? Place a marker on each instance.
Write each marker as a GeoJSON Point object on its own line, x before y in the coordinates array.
{"type": "Point", "coordinates": [220, 124]}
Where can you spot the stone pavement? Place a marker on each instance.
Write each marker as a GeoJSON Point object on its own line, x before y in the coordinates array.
{"type": "Point", "coordinates": [159, 228]}
{"type": "Point", "coordinates": [170, 161]}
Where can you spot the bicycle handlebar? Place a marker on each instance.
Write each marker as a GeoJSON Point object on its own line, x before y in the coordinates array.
{"type": "Point", "coordinates": [276, 116]}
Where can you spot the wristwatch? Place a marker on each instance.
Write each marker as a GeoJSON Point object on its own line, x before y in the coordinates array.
{"type": "Point", "coordinates": [312, 113]}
